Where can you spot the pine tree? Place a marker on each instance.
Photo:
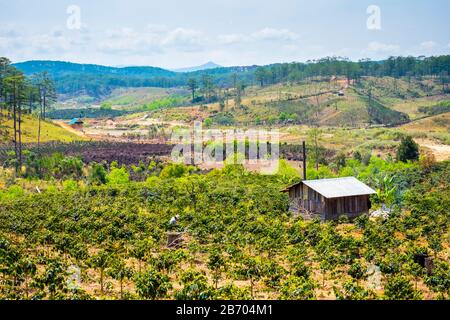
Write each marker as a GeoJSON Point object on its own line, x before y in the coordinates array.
{"type": "Point", "coordinates": [408, 150]}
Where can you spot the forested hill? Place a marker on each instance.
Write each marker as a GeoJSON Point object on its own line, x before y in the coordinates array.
{"type": "Point", "coordinates": [60, 68]}
{"type": "Point", "coordinates": [98, 81]}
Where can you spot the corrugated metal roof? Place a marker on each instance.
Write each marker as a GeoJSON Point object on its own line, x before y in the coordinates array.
{"type": "Point", "coordinates": [339, 187]}
{"type": "Point", "coordinates": [75, 121]}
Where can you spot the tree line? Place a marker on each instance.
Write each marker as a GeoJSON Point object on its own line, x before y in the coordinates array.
{"type": "Point", "coordinates": [21, 95]}
{"type": "Point", "coordinates": [337, 66]}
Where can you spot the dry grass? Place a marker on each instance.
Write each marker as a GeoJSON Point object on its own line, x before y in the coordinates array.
{"type": "Point", "coordinates": [49, 131]}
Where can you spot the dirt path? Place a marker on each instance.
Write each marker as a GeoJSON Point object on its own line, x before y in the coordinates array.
{"type": "Point", "coordinates": [440, 151]}
{"type": "Point", "coordinates": [79, 133]}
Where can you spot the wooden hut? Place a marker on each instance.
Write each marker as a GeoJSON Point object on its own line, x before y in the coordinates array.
{"type": "Point", "coordinates": [331, 198]}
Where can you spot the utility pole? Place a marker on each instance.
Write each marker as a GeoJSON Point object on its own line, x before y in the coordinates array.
{"type": "Point", "coordinates": [304, 160]}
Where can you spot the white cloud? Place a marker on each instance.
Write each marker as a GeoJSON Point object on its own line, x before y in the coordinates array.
{"type": "Point", "coordinates": [275, 35]}
{"type": "Point", "coordinates": [291, 47]}
{"type": "Point", "coordinates": [227, 39]}
{"type": "Point", "coordinates": [56, 43]}
{"type": "Point", "coordinates": [8, 31]}
{"type": "Point", "coordinates": [154, 39]}
{"type": "Point", "coordinates": [14, 42]}
{"type": "Point", "coordinates": [7, 44]}
{"type": "Point", "coordinates": [428, 45]}
{"type": "Point", "coordinates": [127, 41]}
{"type": "Point", "coordinates": [184, 38]}
{"type": "Point", "coordinates": [379, 47]}
{"type": "Point", "coordinates": [47, 43]}
{"type": "Point", "coordinates": [260, 36]}
{"type": "Point", "coordinates": [160, 38]}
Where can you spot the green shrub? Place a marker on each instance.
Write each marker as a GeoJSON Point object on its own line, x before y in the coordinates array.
{"type": "Point", "coordinates": [297, 288]}
{"type": "Point", "coordinates": [400, 288]}
{"type": "Point", "coordinates": [97, 174]}
{"type": "Point", "coordinates": [12, 192]}
{"type": "Point", "coordinates": [70, 185]}
{"type": "Point", "coordinates": [408, 150]}
{"type": "Point", "coordinates": [152, 284]}
{"type": "Point", "coordinates": [118, 176]}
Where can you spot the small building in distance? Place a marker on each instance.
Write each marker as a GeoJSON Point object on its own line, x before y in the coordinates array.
{"type": "Point", "coordinates": [330, 198]}
{"type": "Point", "coordinates": [76, 123]}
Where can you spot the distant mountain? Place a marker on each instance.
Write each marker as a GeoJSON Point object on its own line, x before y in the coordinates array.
{"type": "Point", "coordinates": [206, 66]}
{"type": "Point", "coordinates": [60, 68]}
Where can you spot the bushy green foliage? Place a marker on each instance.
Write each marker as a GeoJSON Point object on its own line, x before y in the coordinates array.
{"type": "Point", "coordinates": [92, 113]}
{"type": "Point", "coordinates": [297, 288]}
{"type": "Point", "coordinates": [399, 288]}
{"type": "Point", "coordinates": [439, 280]}
{"type": "Point", "coordinates": [195, 287]}
{"type": "Point", "coordinates": [232, 292]}
{"type": "Point", "coordinates": [408, 150]}
{"type": "Point", "coordinates": [164, 103]}
{"type": "Point", "coordinates": [441, 107]}
{"type": "Point", "coordinates": [152, 284]}
{"type": "Point", "coordinates": [12, 192]}
{"type": "Point", "coordinates": [176, 171]}
{"type": "Point", "coordinates": [118, 176]}
{"type": "Point", "coordinates": [106, 106]}
{"type": "Point", "coordinates": [70, 185]}
{"type": "Point", "coordinates": [287, 173]}
{"type": "Point", "coordinates": [97, 174]}
{"type": "Point", "coordinates": [54, 166]}
{"type": "Point", "coordinates": [208, 123]}
{"type": "Point", "coordinates": [352, 291]}
{"type": "Point", "coordinates": [236, 225]}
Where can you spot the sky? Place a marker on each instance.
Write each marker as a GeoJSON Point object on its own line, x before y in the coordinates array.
{"type": "Point", "coordinates": [174, 34]}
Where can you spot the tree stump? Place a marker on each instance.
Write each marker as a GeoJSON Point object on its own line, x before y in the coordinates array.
{"type": "Point", "coordinates": [419, 258]}
{"type": "Point", "coordinates": [429, 265]}
{"type": "Point", "coordinates": [174, 239]}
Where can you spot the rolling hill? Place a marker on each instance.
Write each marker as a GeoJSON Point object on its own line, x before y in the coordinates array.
{"type": "Point", "coordinates": [59, 68]}
{"type": "Point", "coordinates": [311, 103]}
{"type": "Point", "coordinates": [97, 82]}
{"type": "Point", "coordinates": [73, 79]}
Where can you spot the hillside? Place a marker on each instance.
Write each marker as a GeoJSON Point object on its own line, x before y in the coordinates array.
{"type": "Point", "coordinates": [325, 103]}
{"type": "Point", "coordinates": [415, 107]}
{"type": "Point", "coordinates": [96, 82]}
{"type": "Point", "coordinates": [49, 131]}
{"type": "Point", "coordinates": [60, 68]}
{"type": "Point", "coordinates": [99, 81]}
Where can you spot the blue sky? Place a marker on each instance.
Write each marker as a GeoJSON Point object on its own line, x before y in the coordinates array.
{"type": "Point", "coordinates": [173, 34]}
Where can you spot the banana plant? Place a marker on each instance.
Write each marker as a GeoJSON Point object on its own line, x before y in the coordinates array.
{"type": "Point", "coordinates": [386, 190]}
